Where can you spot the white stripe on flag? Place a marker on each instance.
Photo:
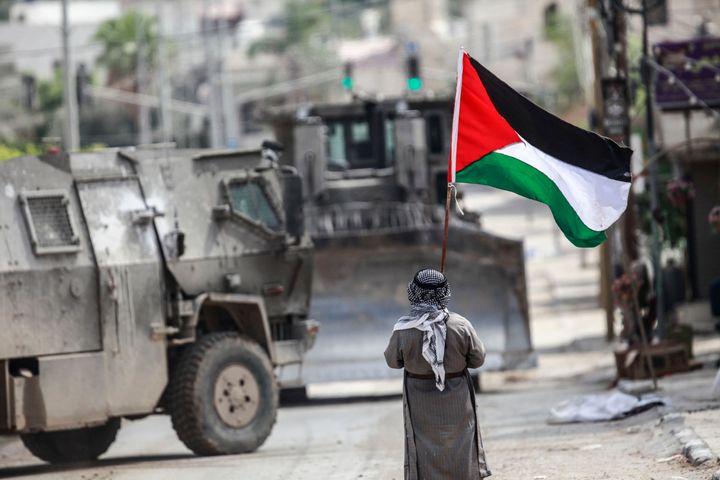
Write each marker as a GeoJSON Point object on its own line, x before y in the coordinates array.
{"type": "Point", "coordinates": [598, 200]}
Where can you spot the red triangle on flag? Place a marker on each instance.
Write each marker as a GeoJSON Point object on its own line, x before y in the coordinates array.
{"type": "Point", "coordinates": [481, 129]}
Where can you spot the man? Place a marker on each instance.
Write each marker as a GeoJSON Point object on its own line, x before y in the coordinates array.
{"type": "Point", "coordinates": [436, 347]}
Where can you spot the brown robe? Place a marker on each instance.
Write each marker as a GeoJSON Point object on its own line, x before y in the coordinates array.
{"type": "Point", "coordinates": [442, 438]}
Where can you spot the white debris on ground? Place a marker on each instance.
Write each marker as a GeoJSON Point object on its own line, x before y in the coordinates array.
{"type": "Point", "coordinates": [597, 407]}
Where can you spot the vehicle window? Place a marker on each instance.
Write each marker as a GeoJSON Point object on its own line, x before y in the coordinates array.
{"type": "Point", "coordinates": [435, 133]}
{"type": "Point", "coordinates": [360, 145]}
{"type": "Point", "coordinates": [249, 199]}
{"type": "Point", "coordinates": [337, 154]}
{"type": "Point", "coordinates": [389, 142]}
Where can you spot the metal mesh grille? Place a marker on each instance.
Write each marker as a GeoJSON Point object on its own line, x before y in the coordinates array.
{"type": "Point", "coordinates": [359, 218]}
{"type": "Point", "coordinates": [51, 221]}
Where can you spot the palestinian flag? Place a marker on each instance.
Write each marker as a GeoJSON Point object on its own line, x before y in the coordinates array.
{"type": "Point", "coordinates": [502, 139]}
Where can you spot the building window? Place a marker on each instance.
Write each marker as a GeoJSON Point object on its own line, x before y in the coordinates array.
{"type": "Point", "coordinates": [249, 118]}
{"type": "Point", "coordinates": [350, 145]}
{"type": "Point", "coordinates": [337, 153]}
{"type": "Point", "coordinates": [435, 133]}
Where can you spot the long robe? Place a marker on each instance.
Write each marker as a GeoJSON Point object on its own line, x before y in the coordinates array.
{"type": "Point", "coordinates": [442, 436]}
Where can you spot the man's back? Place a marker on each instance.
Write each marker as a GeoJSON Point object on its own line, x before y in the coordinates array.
{"type": "Point", "coordinates": [463, 348]}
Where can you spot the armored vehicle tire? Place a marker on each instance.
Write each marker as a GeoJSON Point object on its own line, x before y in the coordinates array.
{"type": "Point", "coordinates": [78, 445]}
{"type": "Point", "coordinates": [223, 395]}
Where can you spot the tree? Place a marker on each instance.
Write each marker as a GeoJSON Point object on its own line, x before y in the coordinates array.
{"type": "Point", "coordinates": [302, 20]}
{"type": "Point", "coordinates": [120, 39]}
{"type": "Point", "coordinates": [568, 89]}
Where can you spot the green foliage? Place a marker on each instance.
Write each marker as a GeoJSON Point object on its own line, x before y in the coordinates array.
{"type": "Point", "coordinates": [674, 225]}
{"type": "Point", "coordinates": [637, 89]}
{"type": "Point", "coordinates": [14, 150]}
{"type": "Point", "coordinates": [50, 93]}
{"type": "Point", "coordinates": [120, 48]}
{"type": "Point", "coordinates": [306, 21]}
{"type": "Point", "coordinates": [568, 90]}
{"type": "Point", "coordinates": [302, 19]}
{"type": "Point", "coordinates": [8, 151]}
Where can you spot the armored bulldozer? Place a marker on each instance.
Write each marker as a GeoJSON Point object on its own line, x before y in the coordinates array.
{"type": "Point", "coordinates": [375, 177]}
{"type": "Point", "coordinates": [145, 281]}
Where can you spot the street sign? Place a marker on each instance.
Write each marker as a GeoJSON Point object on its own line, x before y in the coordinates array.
{"type": "Point", "coordinates": [616, 122]}
{"type": "Point", "coordinates": [694, 63]}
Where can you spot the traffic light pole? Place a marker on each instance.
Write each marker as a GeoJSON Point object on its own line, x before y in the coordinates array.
{"type": "Point", "coordinates": [647, 76]}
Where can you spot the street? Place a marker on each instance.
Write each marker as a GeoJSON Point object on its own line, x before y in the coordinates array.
{"type": "Point", "coordinates": [363, 439]}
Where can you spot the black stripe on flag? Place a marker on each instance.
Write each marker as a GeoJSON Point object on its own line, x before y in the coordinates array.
{"type": "Point", "coordinates": [553, 135]}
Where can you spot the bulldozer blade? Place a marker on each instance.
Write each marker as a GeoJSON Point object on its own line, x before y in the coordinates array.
{"type": "Point", "coordinates": [360, 290]}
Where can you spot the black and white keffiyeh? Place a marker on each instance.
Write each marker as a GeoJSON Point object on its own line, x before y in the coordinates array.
{"type": "Point", "coordinates": [429, 294]}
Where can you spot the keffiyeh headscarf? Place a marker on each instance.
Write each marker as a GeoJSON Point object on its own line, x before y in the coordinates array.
{"type": "Point", "coordinates": [429, 294]}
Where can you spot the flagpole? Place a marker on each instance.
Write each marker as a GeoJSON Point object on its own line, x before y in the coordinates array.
{"type": "Point", "coordinates": [445, 230]}
{"type": "Point", "coordinates": [453, 156]}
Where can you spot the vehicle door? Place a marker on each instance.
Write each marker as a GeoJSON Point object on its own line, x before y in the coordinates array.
{"type": "Point", "coordinates": [255, 238]}
{"type": "Point", "coordinates": [131, 290]}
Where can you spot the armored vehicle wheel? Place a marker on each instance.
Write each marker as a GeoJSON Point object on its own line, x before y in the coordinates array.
{"type": "Point", "coordinates": [76, 445]}
{"type": "Point", "coordinates": [223, 395]}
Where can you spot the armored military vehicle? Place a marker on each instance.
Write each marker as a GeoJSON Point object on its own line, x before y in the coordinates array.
{"type": "Point", "coordinates": [375, 177]}
{"type": "Point", "coordinates": [145, 281]}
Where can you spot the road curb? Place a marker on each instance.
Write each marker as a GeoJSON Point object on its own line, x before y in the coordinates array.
{"type": "Point", "coordinates": [693, 447]}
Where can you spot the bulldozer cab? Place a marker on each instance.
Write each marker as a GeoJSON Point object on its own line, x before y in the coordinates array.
{"type": "Point", "coordinates": [400, 141]}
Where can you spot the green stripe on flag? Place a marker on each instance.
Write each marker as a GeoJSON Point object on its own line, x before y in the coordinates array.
{"type": "Point", "coordinates": [508, 173]}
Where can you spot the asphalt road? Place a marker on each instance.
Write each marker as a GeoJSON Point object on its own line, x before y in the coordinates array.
{"type": "Point", "coordinates": [363, 439]}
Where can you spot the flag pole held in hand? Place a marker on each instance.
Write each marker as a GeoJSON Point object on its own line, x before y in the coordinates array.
{"type": "Point", "coordinates": [453, 157]}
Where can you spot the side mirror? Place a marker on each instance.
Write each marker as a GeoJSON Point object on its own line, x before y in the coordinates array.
{"type": "Point", "coordinates": [174, 243]}
{"type": "Point", "coordinates": [222, 212]}
{"type": "Point", "coordinates": [293, 201]}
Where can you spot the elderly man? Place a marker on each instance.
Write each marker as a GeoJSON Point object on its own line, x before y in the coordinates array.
{"type": "Point", "coordinates": [436, 347]}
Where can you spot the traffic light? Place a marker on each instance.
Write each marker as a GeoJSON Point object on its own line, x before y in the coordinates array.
{"type": "Point", "coordinates": [414, 82]}
{"type": "Point", "coordinates": [347, 81]}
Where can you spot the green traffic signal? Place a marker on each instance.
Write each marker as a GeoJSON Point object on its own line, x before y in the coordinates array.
{"type": "Point", "coordinates": [414, 83]}
{"type": "Point", "coordinates": [347, 83]}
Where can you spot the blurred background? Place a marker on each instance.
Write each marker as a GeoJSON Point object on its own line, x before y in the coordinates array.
{"type": "Point", "coordinates": [213, 65]}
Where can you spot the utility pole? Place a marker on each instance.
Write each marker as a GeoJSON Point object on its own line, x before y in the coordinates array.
{"type": "Point", "coordinates": [145, 136]}
{"type": "Point", "coordinates": [629, 219]}
{"type": "Point", "coordinates": [230, 108]}
{"type": "Point", "coordinates": [211, 74]}
{"type": "Point", "coordinates": [72, 126]}
{"type": "Point", "coordinates": [599, 62]}
{"type": "Point", "coordinates": [166, 117]}
{"type": "Point", "coordinates": [647, 76]}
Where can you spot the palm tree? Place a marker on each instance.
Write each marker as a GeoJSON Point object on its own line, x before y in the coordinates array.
{"type": "Point", "coordinates": [120, 39]}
